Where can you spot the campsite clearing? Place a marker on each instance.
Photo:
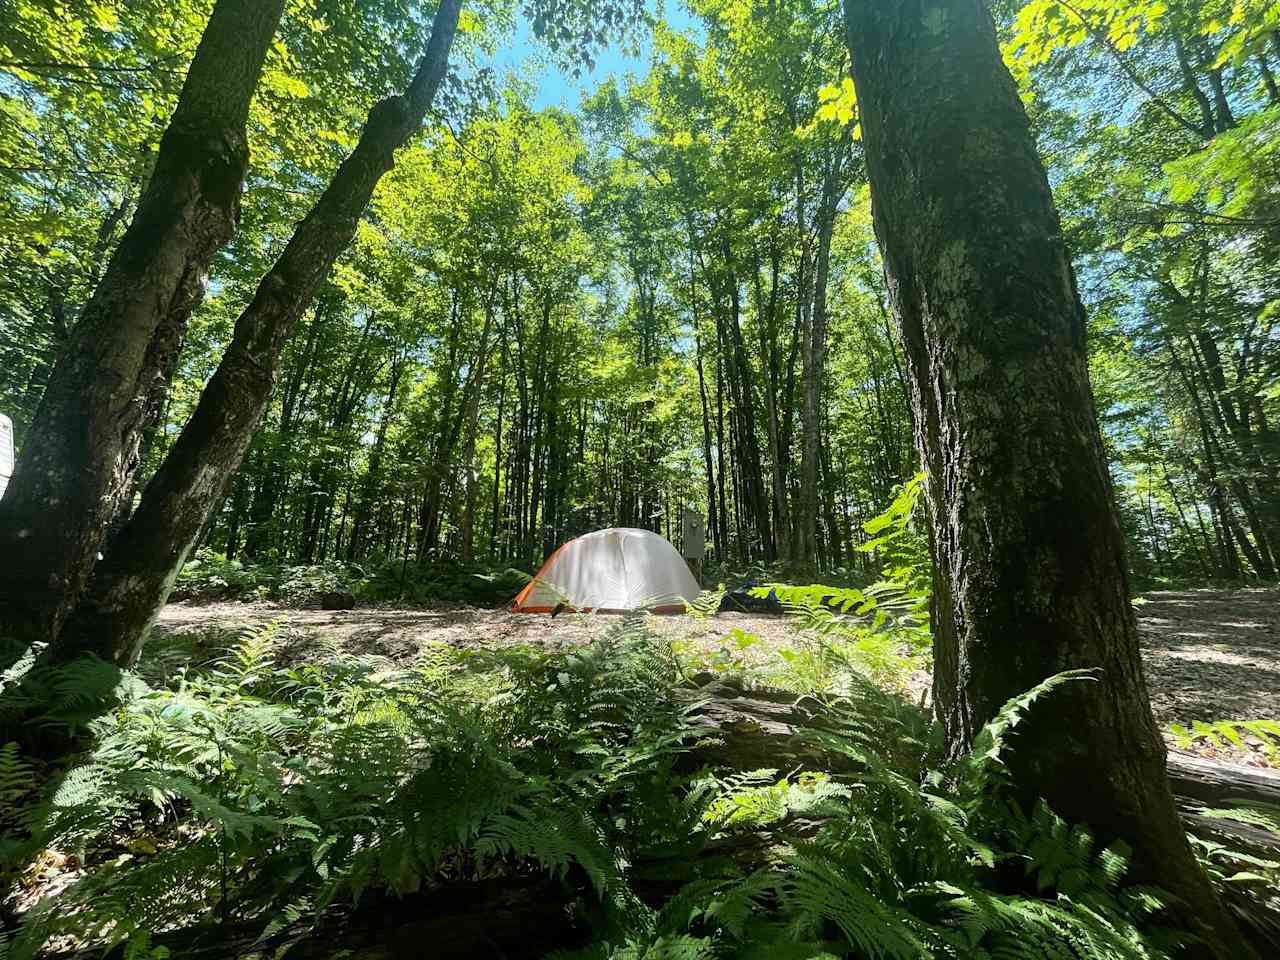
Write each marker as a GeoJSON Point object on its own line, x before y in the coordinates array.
{"type": "Point", "coordinates": [1209, 654]}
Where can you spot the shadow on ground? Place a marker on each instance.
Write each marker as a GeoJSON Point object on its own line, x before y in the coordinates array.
{"type": "Point", "coordinates": [1208, 654]}
{"type": "Point", "coordinates": [1212, 654]}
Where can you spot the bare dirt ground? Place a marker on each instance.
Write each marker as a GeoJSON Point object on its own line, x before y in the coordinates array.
{"type": "Point", "coordinates": [1213, 655]}
{"type": "Point", "coordinates": [399, 633]}
{"type": "Point", "coordinates": [1209, 654]}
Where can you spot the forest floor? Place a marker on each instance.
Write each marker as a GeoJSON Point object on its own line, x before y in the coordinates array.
{"type": "Point", "coordinates": [1209, 654]}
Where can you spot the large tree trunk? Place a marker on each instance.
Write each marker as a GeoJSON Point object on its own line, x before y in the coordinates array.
{"type": "Point", "coordinates": [82, 446]}
{"type": "Point", "coordinates": [134, 580]}
{"type": "Point", "coordinates": [1031, 576]}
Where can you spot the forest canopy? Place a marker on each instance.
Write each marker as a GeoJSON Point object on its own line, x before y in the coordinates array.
{"type": "Point", "coordinates": [955, 320]}
{"type": "Point", "coordinates": [551, 321]}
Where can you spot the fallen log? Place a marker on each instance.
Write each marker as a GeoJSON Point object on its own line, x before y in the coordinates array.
{"type": "Point", "coordinates": [759, 728]}
{"type": "Point", "coordinates": [1217, 784]}
{"type": "Point", "coordinates": [1200, 784]}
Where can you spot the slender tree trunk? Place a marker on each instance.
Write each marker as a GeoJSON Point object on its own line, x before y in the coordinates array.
{"type": "Point", "coordinates": [239, 494]}
{"type": "Point", "coordinates": [83, 444]}
{"type": "Point", "coordinates": [813, 365]}
{"type": "Point", "coordinates": [466, 550]}
{"type": "Point", "coordinates": [1246, 452]}
{"type": "Point", "coordinates": [1224, 119]}
{"type": "Point", "coordinates": [835, 536]}
{"type": "Point", "coordinates": [1205, 564]}
{"type": "Point", "coordinates": [497, 466]}
{"type": "Point", "coordinates": [722, 548]}
{"type": "Point", "coordinates": [1230, 529]}
{"type": "Point", "coordinates": [447, 425]}
{"type": "Point", "coordinates": [1031, 577]}
{"type": "Point", "coordinates": [1217, 561]}
{"type": "Point", "coordinates": [1192, 85]}
{"type": "Point", "coordinates": [135, 579]}
{"type": "Point", "coordinates": [1268, 78]}
{"type": "Point", "coordinates": [766, 320]}
{"type": "Point", "coordinates": [713, 520]}
{"type": "Point", "coordinates": [753, 490]}
{"type": "Point", "coordinates": [263, 524]}
{"type": "Point", "coordinates": [372, 481]}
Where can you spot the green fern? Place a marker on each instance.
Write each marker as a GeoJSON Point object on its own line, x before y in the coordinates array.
{"type": "Point", "coordinates": [756, 799]}
{"type": "Point", "coordinates": [898, 539]}
{"type": "Point", "coordinates": [265, 791]}
{"type": "Point", "coordinates": [66, 697]}
{"type": "Point", "coordinates": [1230, 734]}
{"type": "Point", "coordinates": [874, 631]}
{"type": "Point", "coordinates": [1232, 870]}
{"type": "Point", "coordinates": [707, 604]}
{"type": "Point", "coordinates": [250, 659]}
{"type": "Point", "coordinates": [819, 889]}
{"type": "Point", "coordinates": [18, 791]}
{"type": "Point", "coordinates": [985, 764]}
{"type": "Point", "coordinates": [667, 947]}
{"type": "Point", "coordinates": [17, 778]}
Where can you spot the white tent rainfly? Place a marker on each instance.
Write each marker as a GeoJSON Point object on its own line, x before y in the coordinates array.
{"type": "Point", "coordinates": [6, 452]}
{"type": "Point", "coordinates": [611, 571]}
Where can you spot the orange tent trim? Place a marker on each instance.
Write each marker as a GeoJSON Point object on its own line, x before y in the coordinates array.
{"type": "Point", "coordinates": [529, 586]}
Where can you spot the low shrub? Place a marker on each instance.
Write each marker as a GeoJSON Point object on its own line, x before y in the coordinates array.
{"type": "Point", "coordinates": [210, 576]}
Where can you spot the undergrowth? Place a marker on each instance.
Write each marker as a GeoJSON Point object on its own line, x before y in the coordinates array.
{"type": "Point", "coordinates": [843, 633]}
{"type": "Point", "coordinates": [210, 576]}
{"type": "Point", "coordinates": [246, 791]}
{"type": "Point", "coordinates": [249, 792]}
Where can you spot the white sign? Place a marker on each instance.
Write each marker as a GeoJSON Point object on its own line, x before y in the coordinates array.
{"type": "Point", "coordinates": [6, 452]}
{"type": "Point", "coordinates": [693, 535]}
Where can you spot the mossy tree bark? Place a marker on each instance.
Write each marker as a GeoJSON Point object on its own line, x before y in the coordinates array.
{"type": "Point", "coordinates": [1031, 576]}
{"type": "Point", "coordinates": [133, 581]}
{"type": "Point", "coordinates": [83, 445]}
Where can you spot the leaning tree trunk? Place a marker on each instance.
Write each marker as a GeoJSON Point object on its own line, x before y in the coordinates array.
{"type": "Point", "coordinates": [134, 580]}
{"type": "Point", "coordinates": [1031, 576]}
{"type": "Point", "coordinates": [82, 448]}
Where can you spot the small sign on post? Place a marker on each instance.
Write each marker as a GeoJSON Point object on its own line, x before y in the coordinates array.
{"type": "Point", "coordinates": [693, 540]}
{"type": "Point", "coordinates": [6, 452]}
{"type": "Point", "coordinates": [693, 534]}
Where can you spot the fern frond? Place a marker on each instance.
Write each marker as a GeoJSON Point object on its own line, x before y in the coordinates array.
{"type": "Point", "coordinates": [818, 890]}
{"type": "Point", "coordinates": [1231, 734]}
{"type": "Point", "coordinates": [985, 761]}
{"type": "Point", "coordinates": [247, 662]}
{"type": "Point", "coordinates": [17, 777]}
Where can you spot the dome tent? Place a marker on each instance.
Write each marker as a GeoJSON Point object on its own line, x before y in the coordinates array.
{"type": "Point", "coordinates": [6, 452]}
{"type": "Point", "coordinates": [611, 571]}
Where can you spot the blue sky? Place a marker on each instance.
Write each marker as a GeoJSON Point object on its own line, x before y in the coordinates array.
{"type": "Point", "coordinates": [555, 88]}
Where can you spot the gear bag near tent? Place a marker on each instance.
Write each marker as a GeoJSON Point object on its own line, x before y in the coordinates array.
{"type": "Point", "coordinates": [611, 571]}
